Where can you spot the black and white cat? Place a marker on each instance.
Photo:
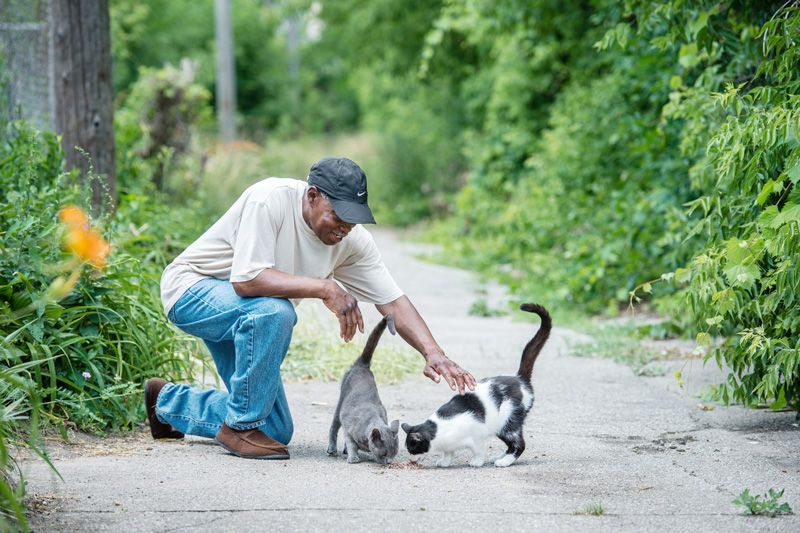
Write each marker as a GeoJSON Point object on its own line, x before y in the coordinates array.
{"type": "Point", "coordinates": [497, 407]}
{"type": "Point", "coordinates": [360, 412]}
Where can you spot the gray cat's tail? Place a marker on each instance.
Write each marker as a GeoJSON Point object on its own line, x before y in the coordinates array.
{"type": "Point", "coordinates": [534, 346]}
{"type": "Point", "coordinates": [374, 337]}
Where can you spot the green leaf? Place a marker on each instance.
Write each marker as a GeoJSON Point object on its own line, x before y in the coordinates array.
{"type": "Point", "coordinates": [780, 401]}
{"type": "Point", "coordinates": [736, 250]}
{"type": "Point", "coordinates": [790, 213]}
{"type": "Point", "coordinates": [683, 275]}
{"type": "Point", "coordinates": [675, 83]}
{"type": "Point", "coordinates": [794, 173]}
{"type": "Point", "coordinates": [703, 339]}
{"type": "Point", "coordinates": [699, 23]}
{"type": "Point", "coordinates": [766, 192]}
{"type": "Point", "coordinates": [768, 215]}
{"type": "Point", "coordinates": [687, 56]}
{"type": "Point", "coordinates": [742, 275]}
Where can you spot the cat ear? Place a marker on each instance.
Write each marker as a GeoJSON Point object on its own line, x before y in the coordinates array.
{"type": "Point", "coordinates": [395, 427]}
{"type": "Point", "coordinates": [375, 435]}
{"type": "Point", "coordinates": [406, 427]}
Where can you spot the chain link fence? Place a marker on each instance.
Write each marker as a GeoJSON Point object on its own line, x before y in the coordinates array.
{"type": "Point", "coordinates": [27, 85]}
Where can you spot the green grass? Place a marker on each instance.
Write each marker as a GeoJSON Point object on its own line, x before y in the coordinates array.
{"type": "Point", "coordinates": [317, 353]}
{"type": "Point", "coordinates": [593, 509]}
{"type": "Point", "coordinates": [623, 342]}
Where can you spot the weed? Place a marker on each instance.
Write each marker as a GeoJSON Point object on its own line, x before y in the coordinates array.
{"type": "Point", "coordinates": [767, 504]}
{"type": "Point", "coordinates": [593, 509]}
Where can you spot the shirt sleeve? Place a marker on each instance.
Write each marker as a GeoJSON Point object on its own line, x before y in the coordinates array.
{"type": "Point", "coordinates": [256, 236]}
{"type": "Point", "coordinates": [365, 276]}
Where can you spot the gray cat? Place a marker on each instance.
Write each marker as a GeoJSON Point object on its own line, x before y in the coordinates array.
{"type": "Point", "coordinates": [360, 411]}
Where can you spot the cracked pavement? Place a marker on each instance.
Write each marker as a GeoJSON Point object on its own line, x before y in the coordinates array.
{"type": "Point", "coordinates": [641, 447]}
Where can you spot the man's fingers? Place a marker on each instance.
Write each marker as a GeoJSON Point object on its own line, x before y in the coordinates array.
{"type": "Point", "coordinates": [460, 381]}
{"type": "Point", "coordinates": [359, 320]}
{"type": "Point", "coordinates": [348, 317]}
{"type": "Point", "coordinates": [429, 372]}
{"type": "Point", "coordinates": [448, 376]}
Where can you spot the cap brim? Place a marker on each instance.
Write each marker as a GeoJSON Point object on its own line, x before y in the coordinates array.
{"type": "Point", "coordinates": [352, 212]}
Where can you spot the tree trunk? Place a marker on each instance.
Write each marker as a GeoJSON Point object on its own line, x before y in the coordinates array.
{"type": "Point", "coordinates": [84, 93]}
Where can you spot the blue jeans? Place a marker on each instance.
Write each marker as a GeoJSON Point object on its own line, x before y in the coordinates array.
{"type": "Point", "coordinates": [248, 339]}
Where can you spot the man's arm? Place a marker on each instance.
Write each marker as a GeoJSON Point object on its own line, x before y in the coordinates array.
{"type": "Point", "coordinates": [414, 330]}
{"type": "Point", "coordinates": [278, 284]}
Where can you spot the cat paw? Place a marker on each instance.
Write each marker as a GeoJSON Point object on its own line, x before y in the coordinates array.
{"type": "Point", "coordinates": [477, 462]}
{"type": "Point", "coordinates": [332, 450]}
{"type": "Point", "coordinates": [443, 463]}
{"type": "Point", "coordinates": [506, 460]}
{"type": "Point", "coordinates": [353, 459]}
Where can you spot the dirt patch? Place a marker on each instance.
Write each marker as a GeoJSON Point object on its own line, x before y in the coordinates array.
{"type": "Point", "coordinates": [665, 444]}
{"type": "Point", "coordinates": [78, 443]}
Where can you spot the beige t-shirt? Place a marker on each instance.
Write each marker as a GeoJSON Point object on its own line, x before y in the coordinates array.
{"type": "Point", "coordinates": [265, 229]}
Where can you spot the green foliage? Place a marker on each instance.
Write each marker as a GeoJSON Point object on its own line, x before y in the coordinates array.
{"type": "Point", "coordinates": [417, 123]}
{"type": "Point", "coordinates": [110, 326]}
{"type": "Point", "coordinates": [736, 100]}
{"type": "Point", "coordinates": [768, 504]}
{"type": "Point", "coordinates": [153, 33]}
{"type": "Point", "coordinates": [154, 125]}
{"type": "Point", "coordinates": [652, 137]}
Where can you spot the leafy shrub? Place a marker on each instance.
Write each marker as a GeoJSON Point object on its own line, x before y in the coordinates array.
{"type": "Point", "coordinates": [743, 142]}
{"type": "Point", "coordinates": [77, 359]}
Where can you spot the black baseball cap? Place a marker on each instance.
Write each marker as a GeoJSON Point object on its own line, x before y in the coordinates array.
{"type": "Point", "coordinates": [345, 185]}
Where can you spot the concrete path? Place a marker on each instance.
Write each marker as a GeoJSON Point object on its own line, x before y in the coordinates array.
{"type": "Point", "coordinates": [640, 447]}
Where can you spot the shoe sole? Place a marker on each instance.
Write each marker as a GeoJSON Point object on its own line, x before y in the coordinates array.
{"type": "Point", "coordinates": [274, 456]}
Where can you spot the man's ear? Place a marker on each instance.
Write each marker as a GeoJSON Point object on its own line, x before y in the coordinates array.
{"type": "Point", "coordinates": [313, 194]}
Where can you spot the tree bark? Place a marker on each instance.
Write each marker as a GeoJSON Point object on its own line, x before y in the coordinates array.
{"type": "Point", "coordinates": [84, 106]}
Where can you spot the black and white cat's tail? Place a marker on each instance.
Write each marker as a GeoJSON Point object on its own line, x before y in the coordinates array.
{"type": "Point", "coordinates": [534, 346]}
{"type": "Point", "coordinates": [374, 337]}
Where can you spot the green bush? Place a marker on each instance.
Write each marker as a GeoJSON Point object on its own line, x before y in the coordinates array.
{"type": "Point", "coordinates": [736, 98]}
{"type": "Point", "coordinates": [77, 359]}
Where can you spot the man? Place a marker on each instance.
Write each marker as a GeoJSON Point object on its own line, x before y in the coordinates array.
{"type": "Point", "coordinates": [282, 240]}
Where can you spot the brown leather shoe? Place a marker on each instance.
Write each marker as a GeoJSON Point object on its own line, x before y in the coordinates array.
{"type": "Point", "coordinates": [251, 444]}
{"type": "Point", "coordinates": [158, 429]}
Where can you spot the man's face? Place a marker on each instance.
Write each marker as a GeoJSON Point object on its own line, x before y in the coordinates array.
{"type": "Point", "coordinates": [328, 227]}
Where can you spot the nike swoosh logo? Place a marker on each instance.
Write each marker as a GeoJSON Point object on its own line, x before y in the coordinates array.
{"type": "Point", "coordinates": [361, 193]}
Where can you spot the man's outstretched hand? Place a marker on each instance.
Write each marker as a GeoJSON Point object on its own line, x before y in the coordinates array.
{"type": "Point", "coordinates": [439, 366]}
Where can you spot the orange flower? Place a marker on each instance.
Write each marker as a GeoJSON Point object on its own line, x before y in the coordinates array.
{"type": "Point", "coordinates": [74, 216]}
{"type": "Point", "coordinates": [82, 240]}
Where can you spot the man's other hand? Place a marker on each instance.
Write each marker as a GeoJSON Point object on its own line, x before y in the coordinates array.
{"type": "Point", "coordinates": [345, 307]}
